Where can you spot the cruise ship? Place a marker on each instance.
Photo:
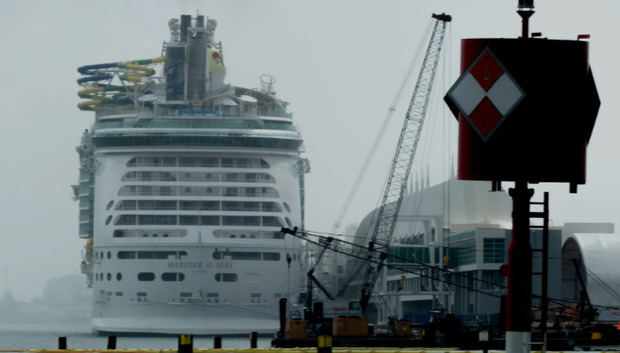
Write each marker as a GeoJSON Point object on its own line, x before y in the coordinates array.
{"type": "Point", "coordinates": [185, 182]}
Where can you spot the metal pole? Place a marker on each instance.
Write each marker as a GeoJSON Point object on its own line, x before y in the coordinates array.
{"type": "Point", "coordinates": [544, 301]}
{"type": "Point", "coordinates": [519, 279]}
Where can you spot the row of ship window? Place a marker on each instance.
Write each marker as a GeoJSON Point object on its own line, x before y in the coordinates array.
{"type": "Point", "coordinates": [220, 233]}
{"type": "Point", "coordinates": [166, 277]}
{"type": "Point", "coordinates": [163, 190]}
{"type": "Point", "coordinates": [264, 221]}
{"type": "Point", "coordinates": [198, 176]}
{"type": "Point", "coordinates": [213, 162]}
{"type": "Point", "coordinates": [177, 255]}
{"type": "Point", "coordinates": [146, 254]}
{"type": "Point", "coordinates": [210, 205]}
{"type": "Point", "coordinates": [188, 297]}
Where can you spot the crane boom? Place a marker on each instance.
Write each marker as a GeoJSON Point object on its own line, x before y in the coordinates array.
{"type": "Point", "coordinates": [401, 164]}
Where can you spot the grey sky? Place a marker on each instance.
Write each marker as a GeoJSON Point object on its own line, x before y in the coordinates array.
{"type": "Point", "coordinates": [338, 63]}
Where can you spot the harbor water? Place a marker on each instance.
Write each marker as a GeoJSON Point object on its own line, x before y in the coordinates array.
{"type": "Point", "coordinates": [21, 337]}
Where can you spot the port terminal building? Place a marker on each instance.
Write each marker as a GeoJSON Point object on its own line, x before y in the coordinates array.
{"type": "Point", "coordinates": [448, 255]}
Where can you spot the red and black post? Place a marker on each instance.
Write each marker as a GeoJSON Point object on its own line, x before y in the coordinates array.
{"type": "Point", "coordinates": [519, 286]}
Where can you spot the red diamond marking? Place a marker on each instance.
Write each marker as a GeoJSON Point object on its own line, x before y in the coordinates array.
{"type": "Point", "coordinates": [486, 70]}
{"type": "Point", "coordinates": [485, 117]}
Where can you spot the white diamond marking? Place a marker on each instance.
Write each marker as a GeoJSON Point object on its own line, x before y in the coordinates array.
{"type": "Point", "coordinates": [504, 94]}
{"type": "Point", "coordinates": [467, 94]}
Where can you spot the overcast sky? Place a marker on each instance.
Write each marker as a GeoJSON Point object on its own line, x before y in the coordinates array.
{"type": "Point", "coordinates": [339, 64]}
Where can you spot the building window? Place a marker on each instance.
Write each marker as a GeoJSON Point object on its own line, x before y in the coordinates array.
{"type": "Point", "coordinates": [149, 255]}
{"type": "Point", "coordinates": [269, 192]}
{"type": "Point", "coordinates": [210, 220]}
{"type": "Point", "coordinates": [157, 219]}
{"type": "Point", "coordinates": [109, 205]}
{"type": "Point", "coordinates": [241, 206]}
{"type": "Point", "coordinates": [198, 162]}
{"type": "Point", "coordinates": [494, 251]}
{"type": "Point", "coordinates": [161, 255]}
{"type": "Point", "coordinates": [157, 205]}
{"type": "Point", "coordinates": [146, 276]}
{"type": "Point", "coordinates": [226, 277]}
{"type": "Point", "coordinates": [251, 192]}
{"type": "Point", "coordinates": [148, 176]}
{"type": "Point", "coordinates": [251, 234]}
{"type": "Point", "coordinates": [492, 280]}
{"type": "Point", "coordinates": [230, 192]}
{"type": "Point", "coordinates": [266, 178]}
{"type": "Point", "coordinates": [129, 176]}
{"type": "Point", "coordinates": [152, 162]}
{"type": "Point", "coordinates": [165, 191]}
{"type": "Point", "coordinates": [272, 222]}
{"type": "Point", "coordinates": [241, 220]}
{"type": "Point", "coordinates": [189, 220]}
{"type": "Point", "coordinates": [119, 276]}
{"type": "Point", "coordinates": [172, 276]}
{"type": "Point", "coordinates": [271, 207]}
{"type": "Point", "coordinates": [109, 276]}
{"type": "Point", "coordinates": [245, 255]}
{"type": "Point", "coordinates": [466, 252]}
{"type": "Point", "coordinates": [108, 220]}
{"type": "Point", "coordinates": [132, 233]}
{"type": "Point", "coordinates": [271, 256]}
{"type": "Point", "coordinates": [126, 205]}
{"type": "Point", "coordinates": [125, 220]}
{"type": "Point", "coordinates": [199, 205]}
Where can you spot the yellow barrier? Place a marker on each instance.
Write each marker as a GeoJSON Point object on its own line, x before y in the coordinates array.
{"type": "Point", "coordinates": [253, 350]}
{"type": "Point", "coordinates": [268, 350]}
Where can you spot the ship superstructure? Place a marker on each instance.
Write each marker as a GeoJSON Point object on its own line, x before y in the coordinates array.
{"type": "Point", "coordinates": [185, 182]}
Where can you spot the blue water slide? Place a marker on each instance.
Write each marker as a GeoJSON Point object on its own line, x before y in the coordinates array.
{"type": "Point", "coordinates": [86, 69]}
{"type": "Point", "coordinates": [101, 76]}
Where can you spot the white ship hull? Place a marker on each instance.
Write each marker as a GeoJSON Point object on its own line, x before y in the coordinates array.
{"type": "Point", "coordinates": [185, 183]}
{"type": "Point", "coordinates": [197, 279]}
{"type": "Point", "coordinates": [164, 314]}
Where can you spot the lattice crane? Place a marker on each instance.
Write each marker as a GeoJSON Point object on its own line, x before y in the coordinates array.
{"type": "Point", "coordinates": [403, 159]}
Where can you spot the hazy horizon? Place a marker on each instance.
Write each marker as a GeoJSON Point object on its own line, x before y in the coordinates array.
{"type": "Point", "coordinates": [338, 63]}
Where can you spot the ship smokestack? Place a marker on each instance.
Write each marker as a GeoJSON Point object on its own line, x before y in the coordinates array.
{"type": "Point", "coordinates": [186, 21]}
{"type": "Point", "coordinates": [197, 61]}
{"type": "Point", "coordinates": [175, 72]}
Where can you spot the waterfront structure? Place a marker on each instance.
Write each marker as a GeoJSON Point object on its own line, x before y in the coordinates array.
{"type": "Point", "coordinates": [592, 250]}
{"type": "Point", "coordinates": [185, 182]}
{"type": "Point", "coordinates": [449, 247]}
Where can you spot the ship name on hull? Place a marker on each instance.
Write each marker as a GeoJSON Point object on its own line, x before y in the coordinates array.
{"type": "Point", "coordinates": [198, 264]}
